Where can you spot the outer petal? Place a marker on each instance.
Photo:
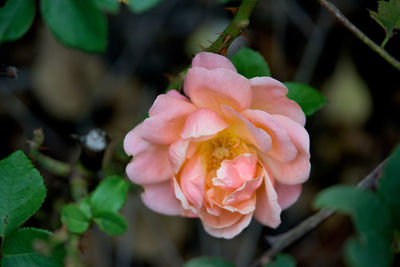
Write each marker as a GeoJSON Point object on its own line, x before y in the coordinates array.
{"type": "Point", "coordinates": [231, 231]}
{"type": "Point", "coordinates": [270, 95]}
{"type": "Point", "coordinates": [287, 194]}
{"type": "Point", "coordinates": [246, 130]}
{"type": "Point", "coordinates": [161, 132]}
{"type": "Point", "coordinates": [267, 210]}
{"type": "Point", "coordinates": [171, 105]}
{"type": "Point", "coordinates": [192, 181]}
{"type": "Point", "coordinates": [202, 122]}
{"type": "Point", "coordinates": [212, 61]}
{"type": "Point", "coordinates": [212, 88]}
{"type": "Point", "coordinates": [296, 171]}
{"type": "Point", "coordinates": [150, 166]}
{"type": "Point", "coordinates": [134, 143]}
{"type": "Point", "coordinates": [225, 219]}
{"type": "Point", "coordinates": [282, 147]}
{"type": "Point", "coordinates": [160, 198]}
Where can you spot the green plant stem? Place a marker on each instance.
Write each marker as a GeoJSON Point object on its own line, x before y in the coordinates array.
{"type": "Point", "coordinates": [220, 46]}
{"type": "Point", "coordinates": [385, 41]}
{"type": "Point", "coordinates": [359, 34]}
{"type": "Point", "coordinates": [54, 166]}
{"type": "Point", "coordinates": [280, 242]}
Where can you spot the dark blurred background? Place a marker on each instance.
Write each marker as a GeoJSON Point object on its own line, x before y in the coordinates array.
{"type": "Point", "coordinates": [66, 91]}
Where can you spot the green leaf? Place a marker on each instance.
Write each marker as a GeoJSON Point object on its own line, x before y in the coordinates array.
{"type": "Point", "coordinates": [110, 194]}
{"type": "Point", "coordinates": [283, 260]}
{"type": "Point", "coordinates": [371, 218]}
{"type": "Point", "coordinates": [388, 16]}
{"type": "Point", "coordinates": [76, 23]}
{"type": "Point", "coordinates": [389, 185]}
{"type": "Point", "coordinates": [208, 262]}
{"type": "Point", "coordinates": [22, 248]}
{"type": "Point", "coordinates": [140, 6]}
{"type": "Point", "coordinates": [309, 99]}
{"type": "Point", "coordinates": [111, 222]}
{"type": "Point", "coordinates": [85, 207]}
{"type": "Point", "coordinates": [111, 6]}
{"type": "Point", "coordinates": [22, 191]}
{"type": "Point", "coordinates": [250, 63]}
{"type": "Point", "coordinates": [16, 17]}
{"type": "Point", "coordinates": [74, 218]}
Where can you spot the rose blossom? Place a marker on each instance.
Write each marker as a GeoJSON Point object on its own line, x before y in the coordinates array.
{"type": "Point", "coordinates": [232, 149]}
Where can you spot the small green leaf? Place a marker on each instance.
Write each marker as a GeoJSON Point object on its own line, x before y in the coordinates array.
{"type": "Point", "coordinates": [111, 6]}
{"type": "Point", "coordinates": [140, 6]}
{"type": "Point", "coordinates": [111, 222]}
{"type": "Point", "coordinates": [250, 63]}
{"type": "Point", "coordinates": [208, 262]}
{"type": "Point", "coordinates": [371, 218]}
{"type": "Point", "coordinates": [110, 194]}
{"type": "Point", "coordinates": [22, 191]}
{"type": "Point", "coordinates": [74, 218]}
{"type": "Point", "coordinates": [309, 99]}
{"type": "Point", "coordinates": [16, 17]}
{"type": "Point", "coordinates": [85, 207]}
{"type": "Point", "coordinates": [389, 185]}
{"type": "Point", "coordinates": [388, 16]}
{"type": "Point", "coordinates": [76, 23]}
{"type": "Point", "coordinates": [282, 260]}
{"type": "Point", "coordinates": [21, 248]}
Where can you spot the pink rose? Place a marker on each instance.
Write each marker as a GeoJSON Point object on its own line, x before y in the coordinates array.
{"type": "Point", "coordinates": [232, 149]}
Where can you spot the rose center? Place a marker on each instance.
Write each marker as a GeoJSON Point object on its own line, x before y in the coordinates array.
{"type": "Point", "coordinates": [225, 145]}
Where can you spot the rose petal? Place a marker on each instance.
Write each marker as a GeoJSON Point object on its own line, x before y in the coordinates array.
{"type": "Point", "coordinates": [287, 194]}
{"type": "Point", "coordinates": [177, 154]}
{"type": "Point", "coordinates": [181, 197]}
{"type": "Point", "coordinates": [296, 171]}
{"type": "Point", "coordinates": [171, 105]}
{"type": "Point", "coordinates": [134, 143]}
{"type": "Point", "coordinates": [246, 130]}
{"type": "Point", "coordinates": [160, 198]}
{"type": "Point", "coordinates": [225, 219]}
{"type": "Point", "coordinates": [151, 166]}
{"type": "Point", "coordinates": [192, 181]}
{"type": "Point", "coordinates": [267, 208]}
{"type": "Point", "coordinates": [269, 95]}
{"type": "Point", "coordinates": [233, 173]}
{"type": "Point", "coordinates": [243, 193]}
{"type": "Point", "coordinates": [282, 147]}
{"type": "Point", "coordinates": [231, 231]}
{"type": "Point", "coordinates": [212, 61]}
{"type": "Point", "coordinates": [161, 132]}
{"type": "Point", "coordinates": [202, 122]}
{"type": "Point", "coordinates": [213, 88]}
{"type": "Point", "coordinates": [176, 94]}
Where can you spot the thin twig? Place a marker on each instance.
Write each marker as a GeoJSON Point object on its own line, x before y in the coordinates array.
{"type": "Point", "coordinates": [280, 242]}
{"type": "Point", "coordinates": [235, 28]}
{"type": "Point", "coordinates": [357, 32]}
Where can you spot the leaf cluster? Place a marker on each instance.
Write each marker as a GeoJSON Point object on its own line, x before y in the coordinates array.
{"type": "Point", "coordinates": [22, 192]}
{"type": "Point", "coordinates": [101, 207]}
{"type": "Point", "coordinates": [76, 23]}
{"type": "Point", "coordinates": [376, 215]}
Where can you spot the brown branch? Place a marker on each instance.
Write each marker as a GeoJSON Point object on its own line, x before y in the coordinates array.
{"type": "Point", "coordinates": [280, 242]}
{"type": "Point", "coordinates": [359, 34]}
{"type": "Point", "coordinates": [235, 28]}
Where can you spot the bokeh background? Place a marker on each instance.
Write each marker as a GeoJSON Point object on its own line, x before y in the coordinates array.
{"type": "Point", "coordinates": [66, 91]}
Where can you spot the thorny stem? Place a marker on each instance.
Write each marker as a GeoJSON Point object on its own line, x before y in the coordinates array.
{"type": "Point", "coordinates": [357, 32]}
{"type": "Point", "coordinates": [280, 242]}
{"type": "Point", "coordinates": [220, 46]}
{"type": "Point", "coordinates": [56, 167]}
